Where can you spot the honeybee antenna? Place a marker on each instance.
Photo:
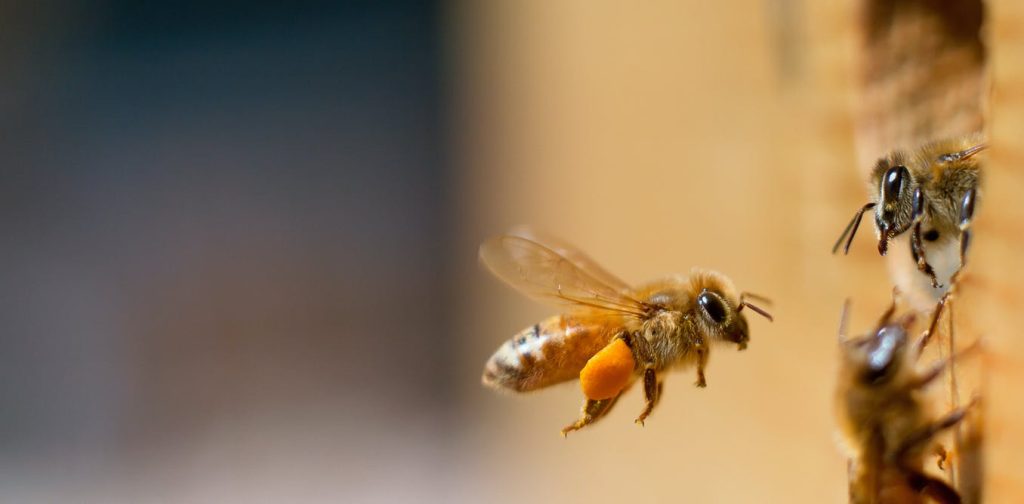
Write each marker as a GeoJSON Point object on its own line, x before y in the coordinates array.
{"type": "Point", "coordinates": [964, 154]}
{"type": "Point", "coordinates": [759, 311]}
{"type": "Point", "coordinates": [756, 297]}
{"type": "Point", "coordinates": [851, 229]}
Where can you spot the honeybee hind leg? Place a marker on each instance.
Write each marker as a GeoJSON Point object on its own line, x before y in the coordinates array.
{"type": "Point", "coordinates": [652, 394]}
{"type": "Point", "coordinates": [933, 325]}
{"type": "Point", "coordinates": [593, 410]}
{"type": "Point", "coordinates": [938, 490]}
{"type": "Point", "coordinates": [606, 376]}
{"type": "Point", "coordinates": [916, 246]}
{"type": "Point", "coordinates": [702, 361]}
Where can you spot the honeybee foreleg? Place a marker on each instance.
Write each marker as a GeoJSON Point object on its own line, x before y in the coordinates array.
{"type": "Point", "coordinates": [652, 392]}
{"type": "Point", "coordinates": [936, 370]}
{"type": "Point", "coordinates": [966, 215]}
{"type": "Point", "coordinates": [916, 246]}
{"type": "Point", "coordinates": [917, 251]}
{"type": "Point", "coordinates": [887, 315]}
{"type": "Point", "coordinates": [593, 410]}
{"type": "Point", "coordinates": [702, 361]}
{"type": "Point", "coordinates": [923, 342]}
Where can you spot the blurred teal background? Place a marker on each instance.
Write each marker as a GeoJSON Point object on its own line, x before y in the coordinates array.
{"type": "Point", "coordinates": [222, 227]}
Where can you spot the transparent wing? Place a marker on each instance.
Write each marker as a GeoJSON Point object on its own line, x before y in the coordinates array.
{"type": "Point", "coordinates": [543, 273]}
{"type": "Point", "coordinates": [573, 255]}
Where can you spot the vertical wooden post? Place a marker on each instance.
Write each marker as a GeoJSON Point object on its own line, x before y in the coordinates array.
{"type": "Point", "coordinates": [998, 290]}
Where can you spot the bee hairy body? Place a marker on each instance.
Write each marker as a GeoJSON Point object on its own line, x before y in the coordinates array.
{"type": "Point", "coordinates": [943, 179]}
{"type": "Point", "coordinates": [923, 201]}
{"type": "Point", "coordinates": [550, 352]}
{"type": "Point", "coordinates": [886, 422]}
{"type": "Point", "coordinates": [613, 333]}
{"type": "Point", "coordinates": [557, 349]}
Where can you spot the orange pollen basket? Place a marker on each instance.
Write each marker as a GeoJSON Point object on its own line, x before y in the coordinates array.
{"type": "Point", "coordinates": [608, 371]}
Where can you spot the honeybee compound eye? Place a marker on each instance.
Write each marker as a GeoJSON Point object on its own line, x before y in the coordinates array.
{"type": "Point", "coordinates": [712, 306]}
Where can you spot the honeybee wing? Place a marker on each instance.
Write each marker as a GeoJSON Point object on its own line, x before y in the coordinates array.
{"type": "Point", "coordinates": [573, 255]}
{"type": "Point", "coordinates": [544, 274]}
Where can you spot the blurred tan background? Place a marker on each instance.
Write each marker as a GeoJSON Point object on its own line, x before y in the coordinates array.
{"type": "Point", "coordinates": [240, 245]}
{"type": "Point", "coordinates": [666, 136]}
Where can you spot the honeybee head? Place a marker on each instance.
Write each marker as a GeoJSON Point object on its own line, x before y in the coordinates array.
{"type": "Point", "coordinates": [894, 212]}
{"type": "Point", "coordinates": [725, 319]}
{"type": "Point", "coordinates": [881, 355]}
{"type": "Point", "coordinates": [875, 359]}
{"type": "Point", "coordinates": [721, 318]}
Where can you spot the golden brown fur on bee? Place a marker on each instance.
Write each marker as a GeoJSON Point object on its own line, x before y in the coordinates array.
{"type": "Point", "coordinates": [873, 420]}
{"type": "Point", "coordinates": [612, 333]}
{"type": "Point", "coordinates": [675, 333]}
{"type": "Point", "coordinates": [926, 200]}
{"type": "Point", "coordinates": [550, 352]}
{"type": "Point", "coordinates": [884, 418]}
{"type": "Point", "coordinates": [679, 330]}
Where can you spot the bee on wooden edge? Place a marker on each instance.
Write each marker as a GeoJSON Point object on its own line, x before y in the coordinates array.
{"type": "Point", "coordinates": [929, 194]}
{"type": "Point", "coordinates": [884, 418]}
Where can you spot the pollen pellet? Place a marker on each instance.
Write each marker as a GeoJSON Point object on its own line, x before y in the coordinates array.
{"type": "Point", "coordinates": [608, 371]}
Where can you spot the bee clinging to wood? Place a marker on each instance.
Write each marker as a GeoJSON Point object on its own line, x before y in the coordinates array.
{"type": "Point", "coordinates": [883, 414]}
{"type": "Point", "coordinates": [931, 193]}
{"type": "Point", "coordinates": [612, 333]}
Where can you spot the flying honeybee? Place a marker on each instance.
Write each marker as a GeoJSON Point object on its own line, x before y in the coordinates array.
{"type": "Point", "coordinates": [931, 193]}
{"type": "Point", "coordinates": [612, 333]}
{"type": "Point", "coordinates": [884, 417]}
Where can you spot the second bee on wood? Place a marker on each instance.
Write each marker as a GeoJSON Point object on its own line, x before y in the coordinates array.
{"type": "Point", "coordinates": [885, 420]}
{"type": "Point", "coordinates": [926, 197]}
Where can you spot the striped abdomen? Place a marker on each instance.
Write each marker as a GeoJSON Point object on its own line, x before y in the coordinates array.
{"type": "Point", "coordinates": [547, 353]}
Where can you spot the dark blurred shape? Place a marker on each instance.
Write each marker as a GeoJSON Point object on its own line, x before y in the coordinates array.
{"type": "Point", "coordinates": [922, 73]}
{"type": "Point", "coordinates": [222, 227]}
